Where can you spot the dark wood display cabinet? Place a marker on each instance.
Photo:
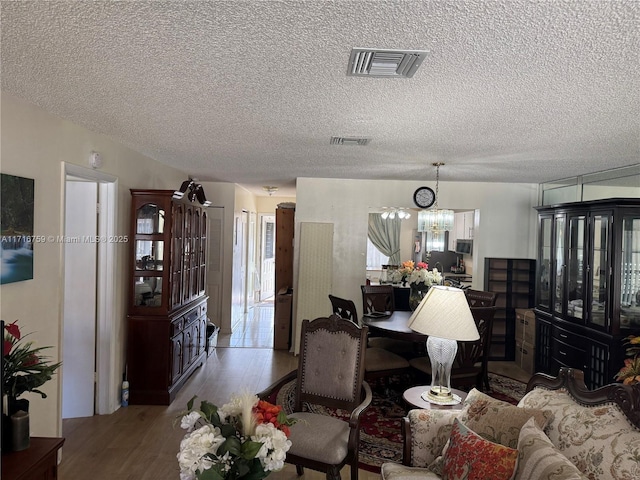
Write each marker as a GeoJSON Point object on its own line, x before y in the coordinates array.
{"type": "Point", "coordinates": [513, 279]}
{"type": "Point", "coordinates": [167, 303]}
{"type": "Point", "coordinates": [588, 286]}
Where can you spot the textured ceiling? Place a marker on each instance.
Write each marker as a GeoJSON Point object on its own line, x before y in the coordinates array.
{"type": "Point", "coordinates": [251, 92]}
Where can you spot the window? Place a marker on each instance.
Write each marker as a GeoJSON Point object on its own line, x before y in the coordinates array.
{"type": "Point", "coordinates": [375, 258]}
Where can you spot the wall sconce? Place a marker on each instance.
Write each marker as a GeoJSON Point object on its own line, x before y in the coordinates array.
{"type": "Point", "coordinates": [193, 190]}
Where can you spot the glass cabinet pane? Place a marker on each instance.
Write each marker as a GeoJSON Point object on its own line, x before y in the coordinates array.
{"type": "Point", "coordinates": [148, 291]}
{"type": "Point", "coordinates": [630, 273]}
{"type": "Point", "coordinates": [150, 219]}
{"type": "Point", "coordinates": [599, 270]}
{"type": "Point", "coordinates": [545, 263]}
{"type": "Point", "coordinates": [149, 254]}
{"type": "Point", "coordinates": [558, 284]}
{"type": "Point", "coordinates": [575, 267]}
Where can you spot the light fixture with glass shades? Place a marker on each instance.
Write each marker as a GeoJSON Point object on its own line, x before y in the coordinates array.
{"type": "Point", "coordinates": [444, 315]}
{"type": "Point", "coordinates": [393, 212]}
{"type": "Point", "coordinates": [435, 219]}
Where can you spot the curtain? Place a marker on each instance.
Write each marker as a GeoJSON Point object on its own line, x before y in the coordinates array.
{"type": "Point", "coordinates": [385, 235]}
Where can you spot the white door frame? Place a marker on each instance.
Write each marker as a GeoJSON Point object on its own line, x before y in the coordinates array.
{"type": "Point", "coordinates": [106, 399]}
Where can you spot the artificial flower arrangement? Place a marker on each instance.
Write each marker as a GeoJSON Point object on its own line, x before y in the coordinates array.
{"type": "Point", "coordinates": [246, 438]}
{"type": "Point", "coordinates": [24, 367]}
{"type": "Point", "coordinates": [417, 273]}
{"type": "Point", "coordinates": [630, 372]}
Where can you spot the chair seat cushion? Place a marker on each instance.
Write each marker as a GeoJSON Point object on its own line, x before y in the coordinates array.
{"type": "Point", "coordinates": [378, 359]}
{"type": "Point", "coordinates": [395, 471]}
{"type": "Point", "coordinates": [319, 437]}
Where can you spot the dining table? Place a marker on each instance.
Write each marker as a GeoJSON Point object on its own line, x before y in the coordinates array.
{"type": "Point", "coordinates": [393, 325]}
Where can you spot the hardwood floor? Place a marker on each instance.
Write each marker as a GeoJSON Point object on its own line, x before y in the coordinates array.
{"type": "Point", "coordinates": [140, 442]}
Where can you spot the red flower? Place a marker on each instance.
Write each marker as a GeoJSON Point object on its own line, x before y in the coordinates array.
{"type": "Point", "coordinates": [13, 330]}
{"type": "Point", "coordinates": [31, 361]}
{"type": "Point", "coordinates": [7, 347]}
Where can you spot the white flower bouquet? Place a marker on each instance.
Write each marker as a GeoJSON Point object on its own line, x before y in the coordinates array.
{"type": "Point", "coordinates": [246, 438]}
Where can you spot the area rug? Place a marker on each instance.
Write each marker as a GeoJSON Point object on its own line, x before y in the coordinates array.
{"type": "Point", "coordinates": [380, 434]}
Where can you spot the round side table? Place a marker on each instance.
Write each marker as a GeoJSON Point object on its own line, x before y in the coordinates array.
{"type": "Point", "coordinates": [414, 399]}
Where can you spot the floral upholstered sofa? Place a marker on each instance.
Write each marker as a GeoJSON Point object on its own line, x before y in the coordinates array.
{"type": "Point", "coordinates": [558, 431]}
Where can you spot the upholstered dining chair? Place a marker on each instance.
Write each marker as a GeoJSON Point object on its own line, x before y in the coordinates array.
{"type": "Point", "coordinates": [470, 367]}
{"type": "Point", "coordinates": [330, 373]}
{"type": "Point", "coordinates": [378, 362]}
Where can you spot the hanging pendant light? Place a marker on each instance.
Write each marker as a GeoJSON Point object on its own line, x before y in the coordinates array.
{"type": "Point", "coordinates": [435, 220]}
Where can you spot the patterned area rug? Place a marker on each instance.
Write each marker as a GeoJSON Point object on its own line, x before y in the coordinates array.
{"type": "Point", "coordinates": [380, 435]}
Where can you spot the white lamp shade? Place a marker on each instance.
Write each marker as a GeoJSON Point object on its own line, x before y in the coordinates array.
{"type": "Point", "coordinates": [444, 312]}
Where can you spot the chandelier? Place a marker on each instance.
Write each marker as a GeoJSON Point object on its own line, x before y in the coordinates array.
{"type": "Point", "coordinates": [435, 220]}
{"type": "Point", "coordinates": [394, 212]}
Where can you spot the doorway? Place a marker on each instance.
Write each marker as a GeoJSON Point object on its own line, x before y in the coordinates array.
{"type": "Point", "coordinates": [267, 254]}
{"type": "Point", "coordinates": [88, 351]}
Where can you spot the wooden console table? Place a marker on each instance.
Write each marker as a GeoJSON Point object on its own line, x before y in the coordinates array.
{"type": "Point", "coordinates": [38, 462]}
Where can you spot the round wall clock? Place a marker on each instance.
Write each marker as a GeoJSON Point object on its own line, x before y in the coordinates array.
{"type": "Point", "coordinates": [424, 197]}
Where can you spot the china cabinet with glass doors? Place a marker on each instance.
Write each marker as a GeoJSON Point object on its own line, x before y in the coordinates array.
{"type": "Point", "coordinates": [587, 286]}
{"type": "Point", "coordinates": [167, 303]}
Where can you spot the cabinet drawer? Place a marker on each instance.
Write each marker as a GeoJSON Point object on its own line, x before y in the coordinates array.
{"type": "Point", "coordinates": [191, 317]}
{"type": "Point", "coordinates": [568, 348]}
{"type": "Point", "coordinates": [176, 326]}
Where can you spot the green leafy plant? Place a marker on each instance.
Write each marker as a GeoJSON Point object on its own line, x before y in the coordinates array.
{"type": "Point", "coordinates": [25, 368]}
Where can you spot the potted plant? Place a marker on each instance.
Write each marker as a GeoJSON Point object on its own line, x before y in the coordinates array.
{"type": "Point", "coordinates": [24, 369]}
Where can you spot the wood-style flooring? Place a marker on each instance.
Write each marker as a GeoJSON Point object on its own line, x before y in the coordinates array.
{"type": "Point", "coordinates": [139, 442]}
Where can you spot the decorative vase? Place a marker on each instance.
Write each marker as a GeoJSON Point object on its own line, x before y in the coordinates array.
{"type": "Point", "coordinates": [15, 425]}
{"type": "Point", "coordinates": [417, 291]}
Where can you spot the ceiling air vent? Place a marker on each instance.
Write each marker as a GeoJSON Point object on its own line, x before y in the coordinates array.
{"type": "Point", "coordinates": [369, 62]}
{"type": "Point", "coordinates": [350, 141]}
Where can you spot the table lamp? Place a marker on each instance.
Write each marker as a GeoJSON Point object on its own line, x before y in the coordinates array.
{"type": "Point", "coordinates": [443, 315]}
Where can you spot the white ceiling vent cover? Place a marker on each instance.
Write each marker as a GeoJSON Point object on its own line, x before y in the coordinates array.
{"type": "Point", "coordinates": [350, 141]}
{"type": "Point", "coordinates": [370, 62]}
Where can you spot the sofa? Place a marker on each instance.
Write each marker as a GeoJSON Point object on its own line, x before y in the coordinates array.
{"type": "Point", "coordinates": [559, 430]}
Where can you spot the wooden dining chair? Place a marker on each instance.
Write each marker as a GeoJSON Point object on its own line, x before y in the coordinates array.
{"type": "Point", "coordinates": [377, 298]}
{"type": "Point", "coordinates": [470, 367]}
{"type": "Point", "coordinates": [381, 298]}
{"type": "Point", "coordinates": [480, 298]}
{"type": "Point", "coordinates": [378, 362]}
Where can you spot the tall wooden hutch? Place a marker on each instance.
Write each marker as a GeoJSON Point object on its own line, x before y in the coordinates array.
{"type": "Point", "coordinates": [588, 286]}
{"type": "Point", "coordinates": [167, 303]}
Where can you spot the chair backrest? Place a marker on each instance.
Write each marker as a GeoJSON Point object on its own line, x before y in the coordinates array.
{"type": "Point", "coordinates": [480, 298]}
{"type": "Point", "coordinates": [377, 298]}
{"type": "Point", "coordinates": [344, 308]}
{"type": "Point", "coordinates": [331, 364]}
{"type": "Point", "coordinates": [474, 354]}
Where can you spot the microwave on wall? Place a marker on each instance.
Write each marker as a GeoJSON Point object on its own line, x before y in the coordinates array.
{"type": "Point", "coordinates": [464, 246]}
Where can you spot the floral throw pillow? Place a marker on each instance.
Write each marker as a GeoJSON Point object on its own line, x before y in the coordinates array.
{"type": "Point", "coordinates": [471, 457]}
{"type": "Point", "coordinates": [496, 420]}
{"type": "Point", "coordinates": [538, 459]}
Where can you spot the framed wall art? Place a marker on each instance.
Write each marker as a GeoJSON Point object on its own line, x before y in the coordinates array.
{"type": "Point", "coordinates": [16, 228]}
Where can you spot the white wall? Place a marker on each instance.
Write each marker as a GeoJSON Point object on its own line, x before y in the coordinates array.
{"type": "Point", "coordinates": [507, 222]}
{"type": "Point", "coordinates": [34, 144]}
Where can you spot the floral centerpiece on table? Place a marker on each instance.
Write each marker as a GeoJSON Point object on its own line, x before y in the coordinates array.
{"type": "Point", "coordinates": [246, 438]}
{"type": "Point", "coordinates": [25, 368]}
{"type": "Point", "coordinates": [419, 278]}
{"type": "Point", "coordinates": [629, 374]}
